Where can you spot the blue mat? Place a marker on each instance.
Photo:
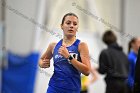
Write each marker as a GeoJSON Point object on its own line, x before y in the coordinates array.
{"type": "Point", "coordinates": [21, 73]}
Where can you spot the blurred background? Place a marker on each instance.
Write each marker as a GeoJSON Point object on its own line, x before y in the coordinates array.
{"type": "Point", "coordinates": [28, 26]}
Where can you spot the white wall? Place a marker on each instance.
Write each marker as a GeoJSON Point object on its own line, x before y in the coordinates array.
{"type": "Point", "coordinates": [0, 10]}
{"type": "Point", "coordinates": [132, 17]}
{"type": "Point", "coordinates": [131, 21]}
{"type": "Point", "coordinates": [20, 30]}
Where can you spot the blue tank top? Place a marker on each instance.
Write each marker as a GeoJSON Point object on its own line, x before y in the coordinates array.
{"type": "Point", "coordinates": [65, 75]}
{"type": "Point", "coordinates": [132, 57]}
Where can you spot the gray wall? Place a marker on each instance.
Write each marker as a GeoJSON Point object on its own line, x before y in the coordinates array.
{"type": "Point", "coordinates": [131, 21]}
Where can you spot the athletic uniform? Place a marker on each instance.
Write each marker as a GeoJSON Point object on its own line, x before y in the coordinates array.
{"type": "Point", "coordinates": [66, 78]}
{"type": "Point", "coordinates": [132, 57]}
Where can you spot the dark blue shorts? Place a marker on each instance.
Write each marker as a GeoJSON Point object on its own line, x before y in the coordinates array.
{"type": "Point", "coordinates": [60, 90]}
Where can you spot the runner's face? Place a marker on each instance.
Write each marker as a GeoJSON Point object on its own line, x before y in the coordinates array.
{"type": "Point", "coordinates": [138, 43]}
{"type": "Point", "coordinates": [70, 26]}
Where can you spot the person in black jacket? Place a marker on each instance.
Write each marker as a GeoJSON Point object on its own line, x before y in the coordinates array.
{"type": "Point", "coordinates": [114, 63]}
{"type": "Point", "coordinates": [137, 74]}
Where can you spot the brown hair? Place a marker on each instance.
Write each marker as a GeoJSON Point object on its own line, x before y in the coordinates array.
{"type": "Point", "coordinates": [68, 14]}
{"type": "Point", "coordinates": [109, 37]}
{"type": "Point", "coordinates": [133, 40]}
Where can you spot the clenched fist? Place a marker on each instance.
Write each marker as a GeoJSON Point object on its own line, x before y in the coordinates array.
{"type": "Point", "coordinates": [63, 51]}
{"type": "Point", "coordinates": [44, 63]}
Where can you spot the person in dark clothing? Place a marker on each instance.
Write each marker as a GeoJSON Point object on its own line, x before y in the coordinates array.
{"type": "Point", "coordinates": [137, 74]}
{"type": "Point", "coordinates": [114, 63]}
